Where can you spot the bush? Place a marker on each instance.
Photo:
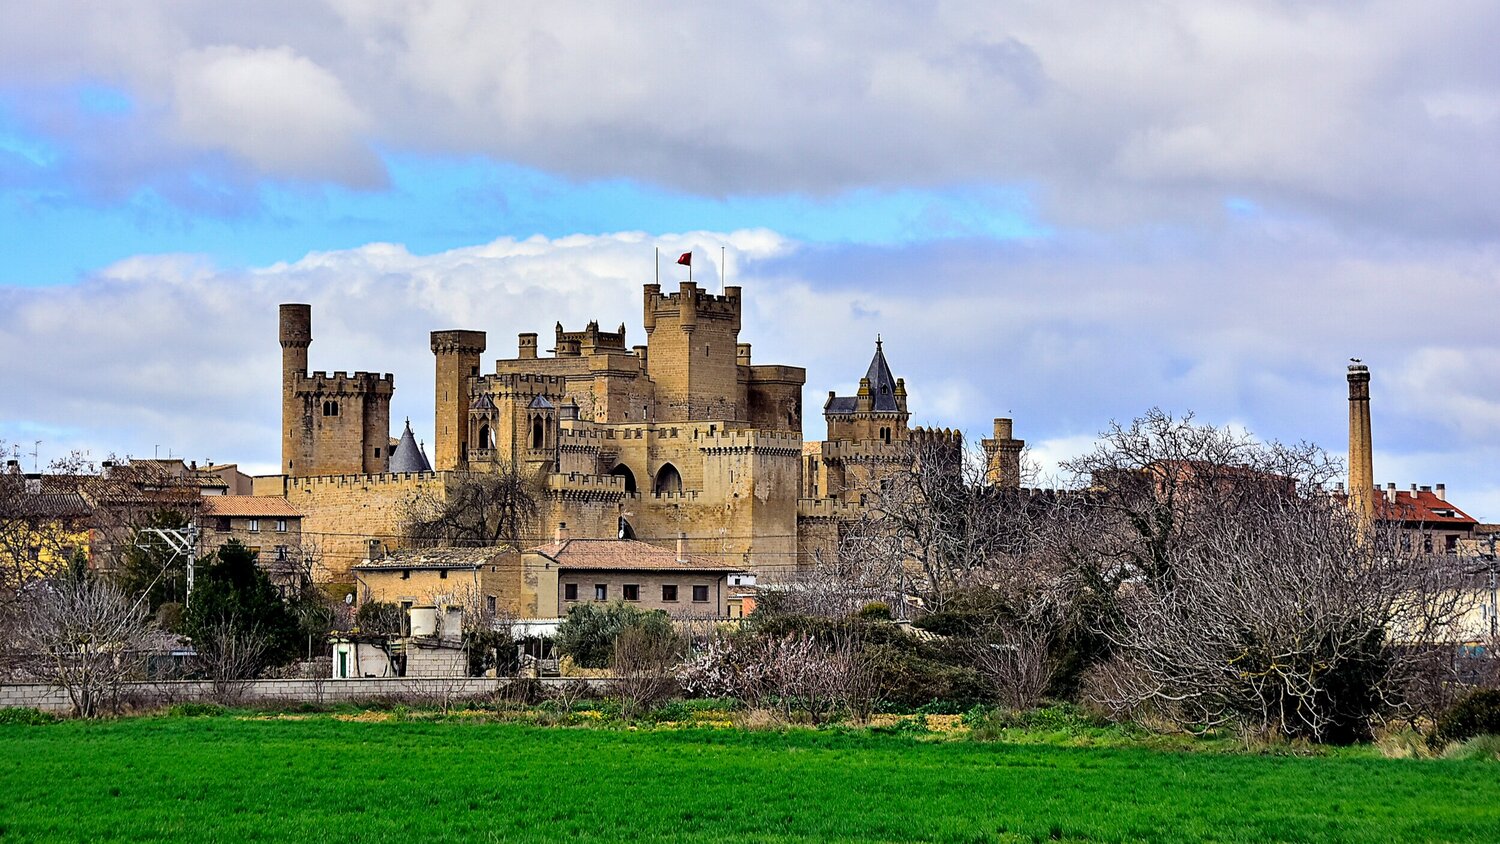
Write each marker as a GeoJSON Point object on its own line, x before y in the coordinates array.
{"type": "Point", "coordinates": [1483, 748]}
{"type": "Point", "coordinates": [196, 710]}
{"type": "Point", "coordinates": [1475, 715]}
{"type": "Point", "coordinates": [875, 611]}
{"type": "Point", "coordinates": [589, 632]}
{"type": "Point", "coordinates": [25, 716]}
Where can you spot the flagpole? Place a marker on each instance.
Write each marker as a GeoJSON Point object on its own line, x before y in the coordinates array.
{"type": "Point", "coordinates": [690, 266]}
{"type": "Point", "coordinates": [721, 271]}
{"type": "Point", "coordinates": [658, 266]}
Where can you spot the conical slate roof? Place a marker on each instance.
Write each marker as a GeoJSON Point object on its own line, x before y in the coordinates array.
{"type": "Point", "coordinates": [407, 456]}
{"type": "Point", "coordinates": [882, 382]}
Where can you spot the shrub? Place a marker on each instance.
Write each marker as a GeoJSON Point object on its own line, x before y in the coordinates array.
{"type": "Point", "coordinates": [196, 710]}
{"type": "Point", "coordinates": [589, 632]}
{"type": "Point", "coordinates": [1478, 748]}
{"type": "Point", "coordinates": [25, 716]}
{"type": "Point", "coordinates": [1475, 715]}
{"type": "Point", "coordinates": [875, 611]}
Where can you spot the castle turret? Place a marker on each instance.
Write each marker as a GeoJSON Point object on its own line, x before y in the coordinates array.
{"type": "Point", "coordinates": [332, 423]}
{"type": "Point", "coordinates": [692, 338]}
{"type": "Point", "coordinates": [296, 336]}
{"type": "Point", "coordinates": [457, 356]}
{"type": "Point", "coordinates": [1361, 459]}
{"type": "Point", "coordinates": [1003, 456]}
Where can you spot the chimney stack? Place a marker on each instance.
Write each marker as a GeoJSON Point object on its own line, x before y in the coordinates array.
{"type": "Point", "coordinates": [562, 532]}
{"type": "Point", "coordinates": [1390, 492]}
{"type": "Point", "coordinates": [1441, 491]}
{"type": "Point", "coordinates": [681, 547]}
{"type": "Point", "coordinates": [1361, 461]}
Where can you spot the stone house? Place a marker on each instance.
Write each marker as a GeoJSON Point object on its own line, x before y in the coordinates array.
{"type": "Point", "coordinates": [483, 580]}
{"type": "Point", "coordinates": [266, 524]}
{"type": "Point", "coordinates": [569, 572]}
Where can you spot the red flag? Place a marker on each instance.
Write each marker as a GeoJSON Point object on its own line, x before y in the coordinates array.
{"type": "Point", "coordinates": [686, 259]}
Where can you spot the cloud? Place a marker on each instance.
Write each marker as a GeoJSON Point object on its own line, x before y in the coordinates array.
{"type": "Point", "coordinates": [172, 350]}
{"type": "Point", "coordinates": [283, 113]}
{"type": "Point", "coordinates": [1379, 114]}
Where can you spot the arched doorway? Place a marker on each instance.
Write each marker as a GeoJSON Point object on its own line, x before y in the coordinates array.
{"type": "Point", "coordinates": [668, 480]}
{"type": "Point", "coordinates": [623, 471]}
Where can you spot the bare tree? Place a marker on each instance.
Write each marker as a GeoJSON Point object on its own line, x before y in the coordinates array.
{"type": "Point", "coordinates": [482, 508]}
{"type": "Point", "coordinates": [231, 655]}
{"type": "Point", "coordinates": [643, 662]}
{"type": "Point", "coordinates": [1017, 664]}
{"type": "Point", "coordinates": [1283, 618]}
{"type": "Point", "coordinates": [83, 634]}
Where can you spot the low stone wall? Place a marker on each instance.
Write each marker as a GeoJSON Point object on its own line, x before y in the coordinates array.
{"type": "Point", "coordinates": [50, 698]}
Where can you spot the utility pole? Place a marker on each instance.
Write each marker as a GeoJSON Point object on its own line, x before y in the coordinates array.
{"type": "Point", "coordinates": [181, 541]}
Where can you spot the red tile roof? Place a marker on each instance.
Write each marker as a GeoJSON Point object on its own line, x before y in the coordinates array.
{"type": "Point", "coordinates": [624, 555]}
{"type": "Point", "coordinates": [1420, 506]}
{"type": "Point", "coordinates": [250, 506]}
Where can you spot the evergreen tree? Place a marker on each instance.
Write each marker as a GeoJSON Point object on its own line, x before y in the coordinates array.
{"type": "Point", "coordinates": [233, 597]}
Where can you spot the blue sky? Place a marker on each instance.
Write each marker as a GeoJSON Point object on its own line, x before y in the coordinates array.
{"type": "Point", "coordinates": [1063, 216]}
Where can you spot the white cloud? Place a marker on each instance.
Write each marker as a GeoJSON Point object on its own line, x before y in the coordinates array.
{"type": "Point", "coordinates": [280, 111]}
{"type": "Point", "coordinates": [1378, 113]}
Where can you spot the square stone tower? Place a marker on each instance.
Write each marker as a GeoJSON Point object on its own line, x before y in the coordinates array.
{"type": "Point", "coordinates": [692, 340]}
{"type": "Point", "coordinates": [332, 424]}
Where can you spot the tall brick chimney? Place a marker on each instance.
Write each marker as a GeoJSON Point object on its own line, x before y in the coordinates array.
{"type": "Point", "coordinates": [1361, 461]}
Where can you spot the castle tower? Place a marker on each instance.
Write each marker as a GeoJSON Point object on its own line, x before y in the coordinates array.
{"type": "Point", "coordinates": [457, 357]}
{"type": "Point", "coordinates": [877, 411]}
{"type": "Point", "coordinates": [332, 424]}
{"type": "Point", "coordinates": [692, 338]}
{"type": "Point", "coordinates": [296, 336]}
{"type": "Point", "coordinates": [1361, 461]}
{"type": "Point", "coordinates": [1003, 456]}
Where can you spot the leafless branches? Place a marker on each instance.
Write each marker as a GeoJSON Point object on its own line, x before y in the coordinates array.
{"type": "Point", "coordinates": [83, 634]}
{"type": "Point", "coordinates": [484, 508]}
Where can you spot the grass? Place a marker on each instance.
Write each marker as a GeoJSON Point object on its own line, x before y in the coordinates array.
{"type": "Point", "coordinates": [228, 778]}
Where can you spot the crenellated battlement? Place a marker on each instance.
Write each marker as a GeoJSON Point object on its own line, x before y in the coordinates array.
{"type": "Point", "coordinates": [827, 508]}
{"type": "Point", "coordinates": [346, 383]}
{"type": "Point", "coordinates": [865, 450]}
{"type": "Point", "coordinates": [752, 441]}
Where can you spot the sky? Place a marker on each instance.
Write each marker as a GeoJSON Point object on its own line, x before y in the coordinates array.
{"type": "Point", "coordinates": [1060, 212]}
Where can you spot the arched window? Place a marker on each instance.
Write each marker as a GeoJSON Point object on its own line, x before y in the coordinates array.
{"type": "Point", "coordinates": [626, 531]}
{"type": "Point", "coordinates": [623, 471]}
{"type": "Point", "coordinates": [668, 480]}
{"type": "Point", "coordinates": [538, 432]}
{"type": "Point", "coordinates": [486, 437]}
{"type": "Point", "coordinates": [885, 435]}
{"type": "Point", "coordinates": [330, 408]}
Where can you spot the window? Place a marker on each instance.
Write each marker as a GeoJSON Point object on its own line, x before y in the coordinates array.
{"type": "Point", "coordinates": [885, 435]}
{"type": "Point", "coordinates": [1427, 544]}
{"type": "Point", "coordinates": [222, 523]}
{"type": "Point", "coordinates": [330, 408]}
{"type": "Point", "coordinates": [632, 592]}
{"type": "Point", "coordinates": [570, 592]}
{"type": "Point", "coordinates": [669, 593]}
{"type": "Point", "coordinates": [1450, 543]}
{"type": "Point", "coordinates": [700, 594]}
{"type": "Point", "coordinates": [377, 451]}
{"type": "Point", "coordinates": [255, 525]}
{"type": "Point", "coordinates": [406, 574]}
{"type": "Point", "coordinates": [281, 525]}
{"type": "Point", "coordinates": [490, 604]}
{"type": "Point", "coordinates": [538, 435]}
{"type": "Point", "coordinates": [443, 574]}
{"type": "Point", "coordinates": [601, 592]}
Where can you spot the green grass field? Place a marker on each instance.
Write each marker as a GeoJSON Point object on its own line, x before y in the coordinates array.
{"type": "Point", "coordinates": [229, 779]}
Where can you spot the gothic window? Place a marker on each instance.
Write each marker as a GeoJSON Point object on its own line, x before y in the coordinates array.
{"type": "Point", "coordinates": [486, 437]}
{"type": "Point", "coordinates": [330, 408]}
{"type": "Point", "coordinates": [885, 435]}
{"type": "Point", "coordinates": [538, 433]}
{"type": "Point", "coordinates": [668, 480]}
{"type": "Point", "coordinates": [623, 471]}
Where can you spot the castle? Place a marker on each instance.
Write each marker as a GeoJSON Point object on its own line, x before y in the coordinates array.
{"type": "Point", "coordinates": [680, 436]}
